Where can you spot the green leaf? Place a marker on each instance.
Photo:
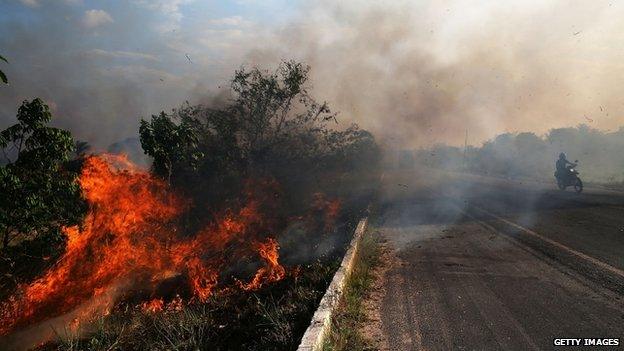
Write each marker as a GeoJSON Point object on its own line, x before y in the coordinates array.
{"type": "Point", "coordinates": [37, 197]}
{"type": "Point", "coordinates": [3, 78]}
{"type": "Point", "coordinates": [3, 59]}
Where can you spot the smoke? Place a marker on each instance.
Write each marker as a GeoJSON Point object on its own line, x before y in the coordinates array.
{"type": "Point", "coordinates": [99, 70]}
{"type": "Point", "coordinates": [528, 156]}
{"type": "Point", "coordinates": [414, 73]}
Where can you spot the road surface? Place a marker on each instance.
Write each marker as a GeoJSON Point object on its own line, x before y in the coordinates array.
{"type": "Point", "coordinates": [487, 264]}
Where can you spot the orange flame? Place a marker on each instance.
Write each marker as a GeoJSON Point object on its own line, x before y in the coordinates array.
{"type": "Point", "coordinates": [272, 271]}
{"type": "Point", "coordinates": [131, 236]}
{"type": "Point", "coordinates": [154, 305]}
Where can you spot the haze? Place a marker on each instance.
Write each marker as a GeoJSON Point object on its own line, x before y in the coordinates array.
{"type": "Point", "coordinates": [415, 73]}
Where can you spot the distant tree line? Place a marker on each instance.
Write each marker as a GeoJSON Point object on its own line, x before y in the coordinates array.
{"type": "Point", "coordinates": [528, 155]}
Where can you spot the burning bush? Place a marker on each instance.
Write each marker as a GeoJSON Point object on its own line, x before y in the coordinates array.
{"type": "Point", "coordinates": [228, 183]}
{"type": "Point", "coordinates": [132, 241]}
{"type": "Point", "coordinates": [271, 128]}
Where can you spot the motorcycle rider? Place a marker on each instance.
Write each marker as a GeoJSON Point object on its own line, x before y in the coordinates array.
{"type": "Point", "coordinates": [562, 166]}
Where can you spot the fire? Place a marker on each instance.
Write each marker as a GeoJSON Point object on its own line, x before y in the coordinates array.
{"type": "Point", "coordinates": [272, 272]}
{"type": "Point", "coordinates": [154, 305]}
{"type": "Point", "coordinates": [132, 239]}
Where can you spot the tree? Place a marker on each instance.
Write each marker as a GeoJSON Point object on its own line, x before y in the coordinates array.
{"type": "Point", "coordinates": [3, 77]}
{"type": "Point", "coordinates": [173, 146]}
{"type": "Point", "coordinates": [271, 128]}
{"type": "Point", "coordinates": [39, 195]}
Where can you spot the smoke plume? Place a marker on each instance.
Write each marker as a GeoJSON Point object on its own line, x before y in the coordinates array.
{"type": "Point", "coordinates": [414, 73]}
{"type": "Point", "coordinates": [417, 74]}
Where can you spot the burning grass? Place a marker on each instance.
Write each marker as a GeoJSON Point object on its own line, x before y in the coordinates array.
{"type": "Point", "coordinates": [133, 250]}
{"type": "Point", "coordinates": [212, 247]}
{"type": "Point", "coordinates": [273, 318]}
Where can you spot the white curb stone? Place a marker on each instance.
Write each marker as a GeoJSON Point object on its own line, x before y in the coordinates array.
{"type": "Point", "coordinates": [318, 330]}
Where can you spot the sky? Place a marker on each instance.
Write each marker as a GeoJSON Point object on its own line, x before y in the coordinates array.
{"type": "Point", "coordinates": [415, 73]}
{"type": "Point", "coordinates": [102, 65]}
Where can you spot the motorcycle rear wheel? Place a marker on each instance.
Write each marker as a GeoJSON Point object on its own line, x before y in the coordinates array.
{"type": "Point", "coordinates": [578, 186]}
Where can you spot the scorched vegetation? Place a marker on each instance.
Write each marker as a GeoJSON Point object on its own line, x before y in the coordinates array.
{"type": "Point", "coordinates": [227, 242]}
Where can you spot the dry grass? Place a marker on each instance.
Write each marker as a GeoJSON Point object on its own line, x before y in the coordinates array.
{"type": "Point", "coordinates": [345, 333]}
{"type": "Point", "coordinates": [273, 318]}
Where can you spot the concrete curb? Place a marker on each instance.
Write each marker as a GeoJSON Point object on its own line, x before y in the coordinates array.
{"type": "Point", "coordinates": [320, 325]}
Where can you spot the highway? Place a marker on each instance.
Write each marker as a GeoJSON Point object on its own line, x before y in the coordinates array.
{"type": "Point", "coordinates": [476, 263]}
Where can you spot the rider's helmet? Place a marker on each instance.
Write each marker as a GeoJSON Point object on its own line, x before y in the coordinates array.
{"type": "Point", "coordinates": [562, 156]}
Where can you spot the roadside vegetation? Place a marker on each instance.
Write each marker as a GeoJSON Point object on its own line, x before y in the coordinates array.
{"type": "Point", "coordinates": [269, 319]}
{"type": "Point", "coordinates": [269, 140]}
{"type": "Point", "coordinates": [38, 171]}
{"type": "Point", "coordinates": [269, 129]}
{"type": "Point", "coordinates": [346, 329]}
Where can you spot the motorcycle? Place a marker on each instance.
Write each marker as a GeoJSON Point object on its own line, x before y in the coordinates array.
{"type": "Point", "coordinates": [570, 179]}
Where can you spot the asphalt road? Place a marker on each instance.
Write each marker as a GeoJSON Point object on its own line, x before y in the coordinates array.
{"type": "Point", "coordinates": [488, 264]}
